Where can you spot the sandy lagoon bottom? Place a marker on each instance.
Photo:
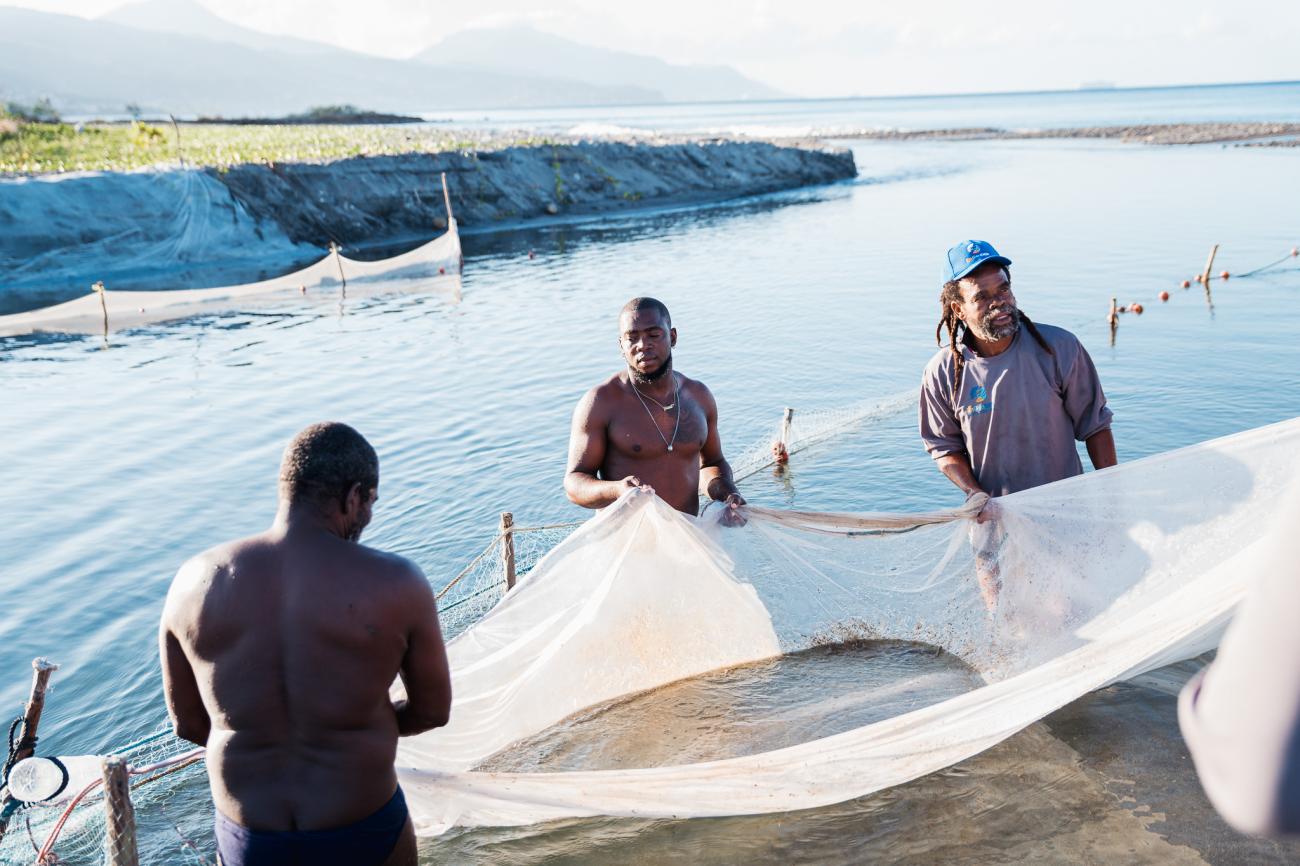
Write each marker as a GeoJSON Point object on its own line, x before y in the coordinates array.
{"type": "Point", "coordinates": [1105, 780]}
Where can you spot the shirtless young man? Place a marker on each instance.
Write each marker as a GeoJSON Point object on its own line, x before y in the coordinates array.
{"type": "Point", "coordinates": [649, 425]}
{"type": "Point", "coordinates": [278, 652]}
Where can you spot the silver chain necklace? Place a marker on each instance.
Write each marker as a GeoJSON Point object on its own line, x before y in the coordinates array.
{"type": "Point", "coordinates": [677, 396]}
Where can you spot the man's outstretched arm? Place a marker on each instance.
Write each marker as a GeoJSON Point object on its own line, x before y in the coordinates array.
{"type": "Point", "coordinates": [956, 467]}
{"type": "Point", "coordinates": [1101, 449]}
{"type": "Point", "coordinates": [190, 720]}
{"type": "Point", "coordinates": [716, 481]}
{"type": "Point", "coordinates": [587, 444]}
{"type": "Point", "coordinates": [425, 674]}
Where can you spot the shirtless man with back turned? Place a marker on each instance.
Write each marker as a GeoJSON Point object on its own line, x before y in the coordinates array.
{"type": "Point", "coordinates": [278, 652]}
{"type": "Point", "coordinates": [649, 425]}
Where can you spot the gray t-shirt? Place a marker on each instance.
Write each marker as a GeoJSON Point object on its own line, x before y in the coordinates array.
{"type": "Point", "coordinates": [1016, 415]}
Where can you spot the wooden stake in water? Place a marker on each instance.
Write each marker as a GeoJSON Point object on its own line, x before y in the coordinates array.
{"type": "Point", "coordinates": [26, 747]}
{"type": "Point", "coordinates": [781, 447]}
{"type": "Point", "coordinates": [119, 814]}
{"type": "Point", "coordinates": [41, 670]}
{"type": "Point", "coordinates": [176, 128]}
{"type": "Point", "coordinates": [338, 260]}
{"type": "Point", "coordinates": [1209, 265]}
{"type": "Point", "coordinates": [446, 199]}
{"type": "Point", "coordinates": [98, 288]}
{"type": "Point", "coordinates": [507, 528]}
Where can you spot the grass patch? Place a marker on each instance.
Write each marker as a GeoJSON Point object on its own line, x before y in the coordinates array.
{"type": "Point", "coordinates": [49, 148]}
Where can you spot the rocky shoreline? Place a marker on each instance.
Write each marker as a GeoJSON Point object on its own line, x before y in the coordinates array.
{"type": "Point", "coordinates": [164, 229]}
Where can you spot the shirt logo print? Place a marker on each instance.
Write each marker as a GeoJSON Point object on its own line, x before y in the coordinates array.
{"type": "Point", "coordinates": [979, 401]}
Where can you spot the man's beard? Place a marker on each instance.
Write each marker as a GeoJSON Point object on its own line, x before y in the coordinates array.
{"type": "Point", "coordinates": [654, 375]}
{"type": "Point", "coordinates": [986, 330]}
{"type": "Point", "coordinates": [354, 531]}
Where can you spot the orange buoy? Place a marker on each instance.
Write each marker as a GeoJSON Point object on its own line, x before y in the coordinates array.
{"type": "Point", "coordinates": [779, 453]}
{"type": "Point", "coordinates": [442, 270]}
{"type": "Point", "coordinates": [1137, 308]}
{"type": "Point", "coordinates": [1164, 296]}
{"type": "Point", "coordinates": [1200, 277]}
{"type": "Point", "coordinates": [1224, 275]}
{"type": "Point", "coordinates": [1186, 284]}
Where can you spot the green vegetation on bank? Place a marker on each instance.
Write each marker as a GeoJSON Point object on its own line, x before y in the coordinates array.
{"type": "Point", "coordinates": [50, 148]}
{"type": "Point", "coordinates": [321, 114]}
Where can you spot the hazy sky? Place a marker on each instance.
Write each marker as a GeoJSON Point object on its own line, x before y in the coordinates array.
{"type": "Point", "coordinates": [839, 48]}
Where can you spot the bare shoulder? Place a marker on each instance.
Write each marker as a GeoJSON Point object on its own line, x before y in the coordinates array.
{"type": "Point", "coordinates": [397, 572]}
{"type": "Point", "coordinates": [610, 388]}
{"type": "Point", "coordinates": [197, 574]}
{"type": "Point", "coordinates": [699, 392]}
{"type": "Point", "coordinates": [601, 395]}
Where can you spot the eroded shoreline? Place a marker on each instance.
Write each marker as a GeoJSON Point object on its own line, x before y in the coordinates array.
{"type": "Point", "coordinates": [166, 229]}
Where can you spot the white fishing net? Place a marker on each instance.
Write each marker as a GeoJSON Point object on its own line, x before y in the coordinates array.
{"type": "Point", "coordinates": [70, 828]}
{"type": "Point", "coordinates": [1103, 577]}
{"type": "Point", "coordinates": [434, 266]}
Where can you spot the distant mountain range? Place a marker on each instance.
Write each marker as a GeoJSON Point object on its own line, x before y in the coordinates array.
{"type": "Point", "coordinates": [525, 51]}
{"type": "Point", "coordinates": [177, 57]}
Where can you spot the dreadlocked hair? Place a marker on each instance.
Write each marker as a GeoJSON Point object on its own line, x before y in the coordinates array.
{"type": "Point", "coordinates": [958, 333]}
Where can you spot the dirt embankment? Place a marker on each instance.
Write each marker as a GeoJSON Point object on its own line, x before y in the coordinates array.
{"type": "Point", "coordinates": [375, 199]}
{"type": "Point", "coordinates": [190, 229]}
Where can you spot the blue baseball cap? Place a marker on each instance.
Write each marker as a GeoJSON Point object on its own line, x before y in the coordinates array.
{"type": "Point", "coordinates": [969, 255]}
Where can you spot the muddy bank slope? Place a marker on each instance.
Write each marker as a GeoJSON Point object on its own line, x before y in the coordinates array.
{"type": "Point", "coordinates": [167, 229]}
{"type": "Point", "coordinates": [372, 200]}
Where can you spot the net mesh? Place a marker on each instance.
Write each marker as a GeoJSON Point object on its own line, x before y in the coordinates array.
{"type": "Point", "coordinates": [72, 829]}
{"type": "Point", "coordinates": [434, 266]}
{"type": "Point", "coordinates": [1069, 587]}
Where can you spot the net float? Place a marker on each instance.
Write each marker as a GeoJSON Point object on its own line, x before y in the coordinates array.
{"type": "Point", "coordinates": [1164, 296]}
{"type": "Point", "coordinates": [1187, 284]}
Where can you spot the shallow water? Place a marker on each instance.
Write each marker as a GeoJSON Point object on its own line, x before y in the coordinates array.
{"type": "Point", "coordinates": [124, 461]}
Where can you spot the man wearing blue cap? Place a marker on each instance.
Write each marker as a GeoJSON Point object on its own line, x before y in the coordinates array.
{"type": "Point", "coordinates": [1001, 411]}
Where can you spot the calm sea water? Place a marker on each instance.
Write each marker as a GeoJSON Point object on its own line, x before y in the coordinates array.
{"type": "Point", "coordinates": [1052, 109]}
{"type": "Point", "coordinates": [124, 461]}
